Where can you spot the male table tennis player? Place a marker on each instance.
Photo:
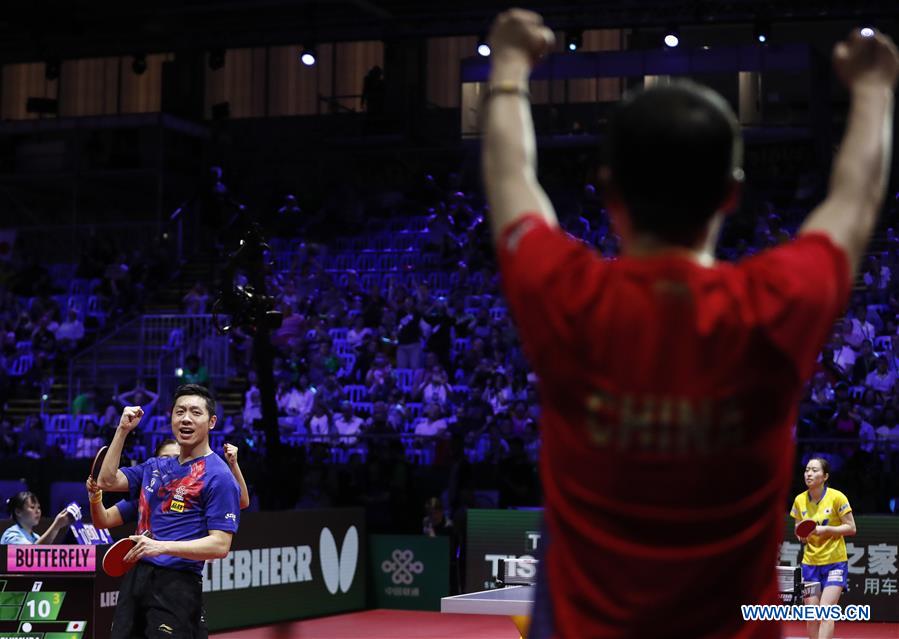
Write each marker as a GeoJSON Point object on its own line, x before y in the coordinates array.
{"type": "Point", "coordinates": [126, 510]}
{"type": "Point", "coordinates": [190, 506]}
{"type": "Point", "coordinates": [670, 381]}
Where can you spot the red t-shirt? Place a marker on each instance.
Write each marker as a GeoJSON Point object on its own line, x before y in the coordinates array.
{"type": "Point", "coordinates": [669, 390]}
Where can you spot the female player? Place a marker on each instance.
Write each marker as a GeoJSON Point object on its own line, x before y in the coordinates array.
{"type": "Point", "coordinates": [824, 559]}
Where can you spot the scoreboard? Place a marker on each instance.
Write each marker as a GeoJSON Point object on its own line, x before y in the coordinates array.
{"type": "Point", "coordinates": [55, 592]}
{"type": "Point", "coordinates": [46, 607]}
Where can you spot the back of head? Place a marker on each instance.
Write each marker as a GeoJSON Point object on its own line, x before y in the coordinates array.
{"type": "Point", "coordinates": [673, 153]}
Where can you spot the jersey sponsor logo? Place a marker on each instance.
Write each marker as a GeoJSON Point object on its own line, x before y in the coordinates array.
{"type": "Point", "coordinates": [338, 569]}
{"type": "Point", "coordinates": [231, 516]}
{"type": "Point", "coordinates": [184, 490]}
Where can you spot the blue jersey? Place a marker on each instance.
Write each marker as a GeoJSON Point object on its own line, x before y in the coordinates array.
{"type": "Point", "coordinates": [181, 502]}
{"type": "Point", "coordinates": [128, 509]}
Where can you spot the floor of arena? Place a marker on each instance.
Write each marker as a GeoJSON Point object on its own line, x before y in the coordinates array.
{"type": "Point", "coordinates": [406, 624]}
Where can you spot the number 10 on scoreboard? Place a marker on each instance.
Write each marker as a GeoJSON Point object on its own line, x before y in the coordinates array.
{"type": "Point", "coordinates": [42, 606]}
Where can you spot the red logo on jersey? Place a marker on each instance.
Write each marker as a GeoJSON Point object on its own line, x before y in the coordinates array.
{"type": "Point", "coordinates": [185, 491]}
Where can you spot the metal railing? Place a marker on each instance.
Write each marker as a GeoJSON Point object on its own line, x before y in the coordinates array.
{"type": "Point", "coordinates": [213, 351]}
{"type": "Point", "coordinates": [162, 334]}
{"type": "Point", "coordinates": [150, 347]}
{"type": "Point", "coordinates": [109, 359]}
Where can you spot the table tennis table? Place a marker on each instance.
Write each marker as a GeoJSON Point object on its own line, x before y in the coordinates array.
{"type": "Point", "coordinates": [513, 596]}
{"type": "Point", "coordinates": [517, 600]}
{"type": "Point", "coordinates": [511, 601]}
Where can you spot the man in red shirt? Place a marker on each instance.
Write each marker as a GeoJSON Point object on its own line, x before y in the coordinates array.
{"type": "Point", "coordinates": [670, 381]}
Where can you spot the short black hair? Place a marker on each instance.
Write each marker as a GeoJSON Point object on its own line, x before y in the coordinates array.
{"type": "Point", "coordinates": [18, 502]}
{"type": "Point", "coordinates": [673, 152]}
{"type": "Point", "coordinates": [196, 389]}
{"type": "Point", "coordinates": [163, 444]}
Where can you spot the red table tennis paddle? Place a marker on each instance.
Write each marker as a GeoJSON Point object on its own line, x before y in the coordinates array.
{"type": "Point", "coordinates": [114, 563]}
{"type": "Point", "coordinates": [806, 527]}
{"type": "Point", "coordinates": [98, 462]}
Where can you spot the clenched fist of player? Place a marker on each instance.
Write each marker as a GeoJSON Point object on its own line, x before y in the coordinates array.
{"type": "Point", "coordinates": [130, 418]}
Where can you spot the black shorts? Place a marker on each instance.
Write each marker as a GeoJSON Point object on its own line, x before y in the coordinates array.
{"type": "Point", "coordinates": [159, 603]}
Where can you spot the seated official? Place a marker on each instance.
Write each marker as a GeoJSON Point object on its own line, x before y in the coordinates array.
{"type": "Point", "coordinates": [25, 510]}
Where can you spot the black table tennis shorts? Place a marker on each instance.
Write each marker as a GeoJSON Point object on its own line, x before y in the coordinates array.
{"type": "Point", "coordinates": [159, 603]}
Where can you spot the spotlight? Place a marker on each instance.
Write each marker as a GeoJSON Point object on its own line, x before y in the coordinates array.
{"type": "Point", "coordinates": [574, 40]}
{"type": "Point", "coordinates": [216, 59]}
{"type": "Point", "coordinates": [307, 56]}
{"type": "Point", "coordinates": [483, 49]}
{"type": "Point", "coordinates": [867, 32]}
{"type": "Point", "coordinates": [671, 40]}
{"type": "Point", "coordinates": [761, 31]}
{"type": "Point", "coordinates": [139, 64]}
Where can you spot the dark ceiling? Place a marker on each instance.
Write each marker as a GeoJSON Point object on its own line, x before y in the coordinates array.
{"type": "Point", "coordinates": [41, 30]}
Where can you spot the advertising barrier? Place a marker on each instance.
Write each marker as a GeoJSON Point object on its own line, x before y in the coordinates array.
{"type": "Point", "coordinates": [495, 535]}
{"type": "Point", "coordinates": [282, 566]}
{"type": "Point", "coordinates": [288, 565]}
{"type": "Point", "coordinates": [873, 563]}
{"type": "Point", "coordinates": [409, 572]}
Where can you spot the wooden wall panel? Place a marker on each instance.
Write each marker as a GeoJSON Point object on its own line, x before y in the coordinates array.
{"type": "Point", "coordinates": [23, 81]}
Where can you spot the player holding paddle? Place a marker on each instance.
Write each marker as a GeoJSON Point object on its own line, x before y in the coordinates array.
{"type": "Point", "coordinates": [824, 559]}
{"type": "Point", "coordinates": [190, 504]}
{"type": "Point", "coordinates": [125, 510]}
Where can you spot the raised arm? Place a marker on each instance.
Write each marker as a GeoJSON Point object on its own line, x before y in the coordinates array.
{"type": "Point", "coordinates": [868, 66]}
{"type": "Point", "coordinates": [60, 523]}
{"type": "Point", "coordinates": [509, 150]}
{"type": "Point", "coordinates": [231, 458]}
{"type": "Point", "coordinates": [111, 478]}
{"type": "Point", "coordinates": [101, 517]}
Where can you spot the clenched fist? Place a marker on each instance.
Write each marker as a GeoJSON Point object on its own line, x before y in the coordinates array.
{"type": "Point", "coordinates": [866, 60]}
{"type": "Point", "coordinates": [518, 31]}
{"type": "Point", "coordinates": [231, 454]}
{"type": "Point", "coordinates": [130, 418]}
